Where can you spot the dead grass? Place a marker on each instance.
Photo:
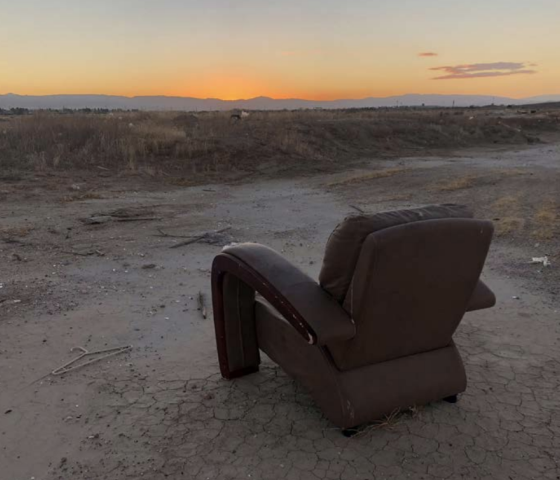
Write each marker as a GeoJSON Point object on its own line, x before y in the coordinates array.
{"type": "Point", "coordinates": [509, 226]}
{"type": "Point", "coordinates": [455, 184]}
{"type": "Point", "coordinates": [15, 232]}
{"type": "Point", "coordinates": [78, 197]}
{"type": "Point", "coordinates": [546, 221]}
{"type": "Point", "coordinates": [508, 217]}
{"type": "Point", "coordinates": [507, 203]}
{"type": "Point", "coordinates": [209, 142]}
{"type": "Point", "coordinates": [377, 174]}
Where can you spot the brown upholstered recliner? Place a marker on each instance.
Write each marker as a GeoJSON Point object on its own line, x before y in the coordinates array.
{"type": "Point", "coordinates": [375, 334]}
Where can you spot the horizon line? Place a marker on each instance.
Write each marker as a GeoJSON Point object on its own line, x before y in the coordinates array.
{"type": "Point", "coordinates": [272, 98]}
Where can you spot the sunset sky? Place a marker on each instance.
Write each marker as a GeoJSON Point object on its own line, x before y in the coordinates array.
{"type": "Point", "coordinates": [314, 49]}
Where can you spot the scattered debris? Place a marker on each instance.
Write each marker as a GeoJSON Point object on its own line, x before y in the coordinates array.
{"type": "Point", "coordinates": [131, 214]}
{"type": "Point", "coordinates": [9, 302]}
{"type": "Point", "coordinates": [149, 266]}
{"type": "Point", "coordinates": [357, 208]}
{"type": "Point", "coordinates": [201, 305]}
{"type": "Point", "coordinates": [542, 260]}
{"type": "Point", "coordinates": [213, 238]}
{"type": "Point", "coordinates": [71, 365]}
{"type": "Point", "coordinates": [15, 241]}
{"type": "Point", "coordinates": [106, 219]}
{"type": "Point", "coordinates": [165, 234]}
{"type": "Point", "coordinates": [136, 219]}
{"type": "Point", "coordinates": [96, 220]}
{"type": "Point", "coordinates": [99, 253]}
{"type": "Point", "coordinates": [515, 297]}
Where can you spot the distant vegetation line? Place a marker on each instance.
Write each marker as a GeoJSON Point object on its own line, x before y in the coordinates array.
{"type": "Point", "coordinates": [190, 147]}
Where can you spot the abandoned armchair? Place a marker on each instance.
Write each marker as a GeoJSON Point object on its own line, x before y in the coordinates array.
{"type": "Point", "coordinates": [375, 334]}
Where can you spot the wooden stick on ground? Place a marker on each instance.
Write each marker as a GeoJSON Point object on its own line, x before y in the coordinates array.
{"type": "Point", "coordinates": [199, 238]}
{"type": "Point", "coordinates": [357, 208]}
{"type": "Point", "coordinates": [201, 305]}
{"type": "Point", "coordinates": [165, 234]}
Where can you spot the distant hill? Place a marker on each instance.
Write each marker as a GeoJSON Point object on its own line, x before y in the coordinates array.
{"type": "Point", "coordinates": [259, 103]}
{"type": "Point", "coordinates": [542, 105]}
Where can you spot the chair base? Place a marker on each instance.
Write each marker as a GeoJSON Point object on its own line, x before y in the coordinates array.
{"type": "Point", "coordinates": [451, 399]}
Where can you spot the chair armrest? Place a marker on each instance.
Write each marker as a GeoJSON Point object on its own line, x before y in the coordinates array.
{"type": "Point", "coordinates": [481, 298]}
{"type": "Point", "coordinates": [310, 310]}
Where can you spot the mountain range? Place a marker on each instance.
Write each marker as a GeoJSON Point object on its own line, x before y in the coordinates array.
{"type": "Point", "coordinates": [114, 102]}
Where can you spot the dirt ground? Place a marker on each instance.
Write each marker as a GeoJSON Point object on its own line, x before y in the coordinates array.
{"type": "Point", "coordinates": [161, 410]}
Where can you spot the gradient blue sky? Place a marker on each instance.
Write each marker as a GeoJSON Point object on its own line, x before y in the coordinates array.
{"type": "Point", "coordinates": [306, 48]}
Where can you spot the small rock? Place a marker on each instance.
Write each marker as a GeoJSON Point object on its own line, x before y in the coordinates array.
{"type": "Point", "coordinates": [149, 266]}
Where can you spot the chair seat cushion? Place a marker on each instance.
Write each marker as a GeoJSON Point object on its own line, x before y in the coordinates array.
{"type": "Point", "coordinates": [345, 243]}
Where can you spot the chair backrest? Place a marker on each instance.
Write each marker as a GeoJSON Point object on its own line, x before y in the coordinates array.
{"type": "Point", "coordinates": [411, 287]}
{"type": "Point", "coordinates": [345, 242]}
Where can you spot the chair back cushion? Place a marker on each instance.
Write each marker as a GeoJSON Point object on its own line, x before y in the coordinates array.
{"type": "Point", "coordinates": [411, 288]}
{"type": "Point", "coordinates": [345, 242]}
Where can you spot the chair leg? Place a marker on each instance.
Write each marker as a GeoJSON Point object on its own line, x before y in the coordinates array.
{"type": "Point", "coordinates": [238, 352]}
{"type": "Point", "coordinates": [451, 399]}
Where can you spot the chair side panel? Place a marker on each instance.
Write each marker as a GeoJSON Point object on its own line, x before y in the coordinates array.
{"type": "Point", "coordinates": [242, 347]}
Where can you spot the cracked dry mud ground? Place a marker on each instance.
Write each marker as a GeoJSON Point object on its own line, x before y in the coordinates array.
{"type": "Point", "coordinates": [163, 412]}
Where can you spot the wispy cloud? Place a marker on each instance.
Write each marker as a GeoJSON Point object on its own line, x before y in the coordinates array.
{"type": "Point", "coordinates": [427, 54]}
{"type": "Point", "coordinates": [484, 70]}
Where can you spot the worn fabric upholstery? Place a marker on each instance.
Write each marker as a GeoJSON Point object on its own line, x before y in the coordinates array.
{"type": "Point", "coordinates": [411, 288]}
{"type": "Point", "coordinates": [361, 395]}
{"type": "Point", "coordinates": [345, 242]}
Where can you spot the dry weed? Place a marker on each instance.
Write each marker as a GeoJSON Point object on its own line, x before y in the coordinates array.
{"type": "Point", "coordinates": [546, 221]}
{"type": "Point", "coordinates": [509, 219]}
{"type": "Point", "coordinates": [78, 197]}
{"type": "Point", "coordinates": [508, 226]}
{"type": "Point", "coordinates": [457, 184]}
{"type": "Point", "coordinates": [375, 175]}
{"type": "Point", "coordinates": [15, 232]}
{"type": "Point", "coordinates": [508, 203]}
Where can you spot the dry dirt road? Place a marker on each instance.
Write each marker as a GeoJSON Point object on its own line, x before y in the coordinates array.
{"type": "Point", "coordinates": [161, 410]}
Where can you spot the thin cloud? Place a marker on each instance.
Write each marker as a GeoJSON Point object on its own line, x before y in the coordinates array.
{"type": "Point", "coordinates": [427, 54]}
{"type": "Point", "coordinates": [483, 70]}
